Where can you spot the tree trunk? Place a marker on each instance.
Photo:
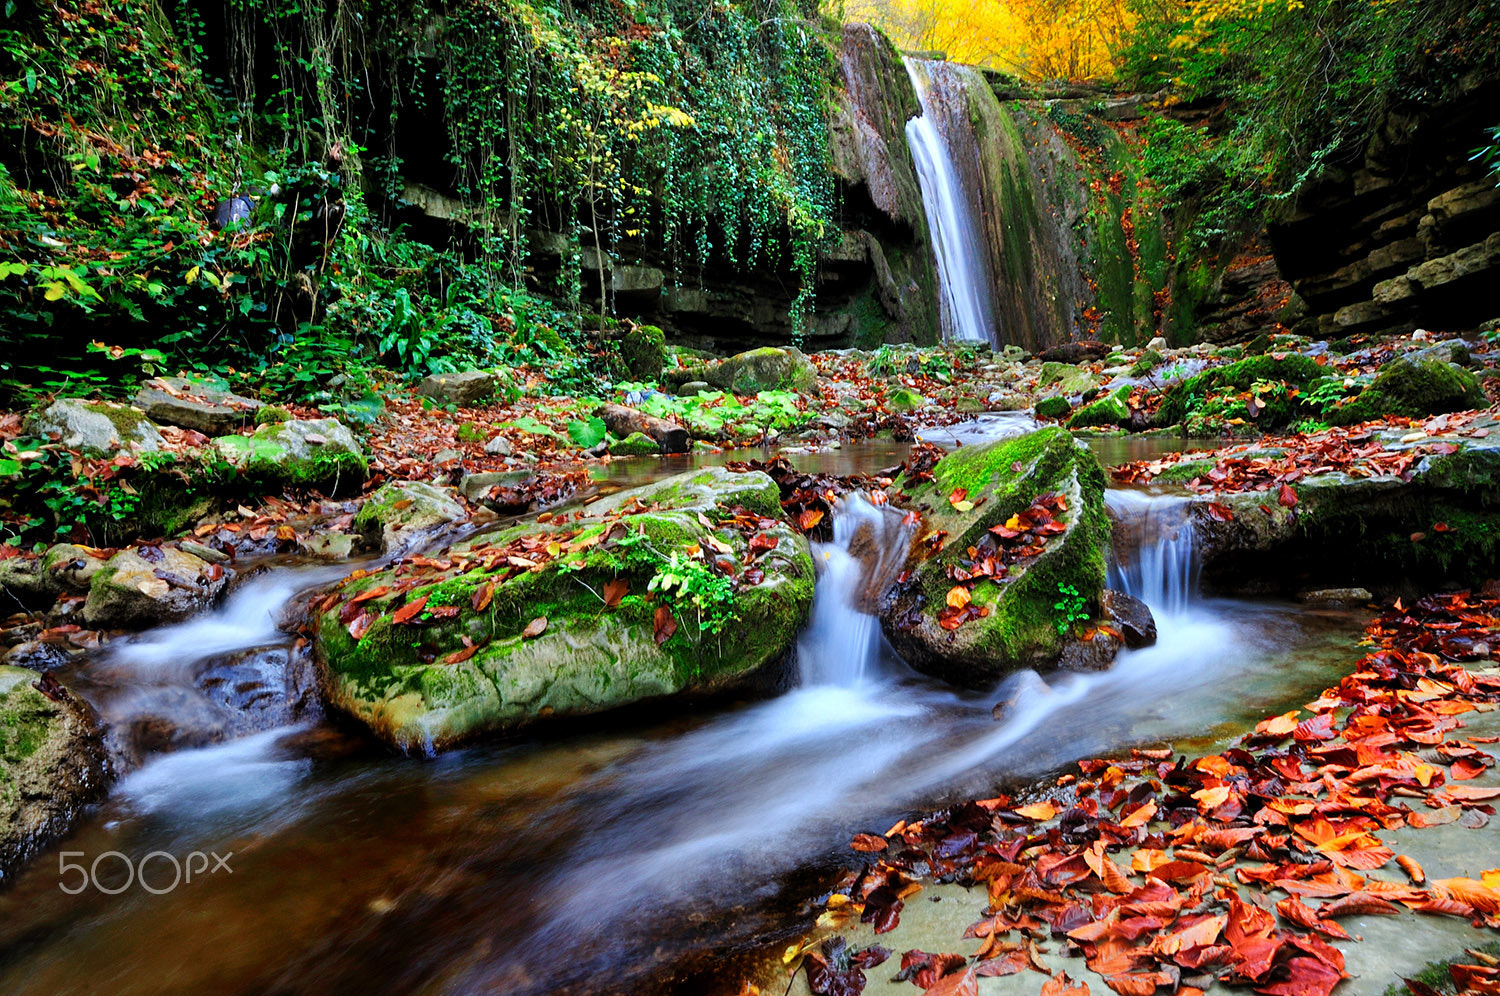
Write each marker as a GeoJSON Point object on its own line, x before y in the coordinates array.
{"type": "Point", "coordinates": [622, 421]}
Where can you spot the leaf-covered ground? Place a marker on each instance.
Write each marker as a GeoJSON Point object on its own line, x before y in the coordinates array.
{"type": "Point", "coordinates": [1171, 873]}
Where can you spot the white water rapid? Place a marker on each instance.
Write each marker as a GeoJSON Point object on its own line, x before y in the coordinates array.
{"type": "Point", "coordinates": [957, 239]}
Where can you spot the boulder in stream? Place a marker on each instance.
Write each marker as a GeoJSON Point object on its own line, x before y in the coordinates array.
{"type": "Point", "coordinates": [770, 368]}
{"type": "Point", "coordinates": [52, 763]}
{"type": "Point", "coordinates": [96, 427]}
{"type": "Point", "coordinates": [693, 584]}
{"type": "Point", "coordinates": [975, 499]}
{"type": "Point", "coordinates": [402, 514]}
{"type": "Point", "coordinates": [148, 585]}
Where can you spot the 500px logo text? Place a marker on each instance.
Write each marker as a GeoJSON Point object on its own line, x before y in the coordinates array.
{"type": "Point", "coordinates": [165, 871]}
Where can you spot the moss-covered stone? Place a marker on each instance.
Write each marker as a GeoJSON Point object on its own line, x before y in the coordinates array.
{"type": "Point", "coordinates": [52, 763]}
{"type": "Point", "coordinates": [1111, 409]}
{"type": "Point", "coordinates": [1148, 362]}
{"type": "Point", "coordinates": [1054, 407]}
{"type": "Point", "coordinates": [403, 514]}
{"type": "Point", "coordinates": [1067, 378]}
{"type": "Point", "coordinates": [1001, 479]}
{"type": "Point", "coordinates": [320, 454]}
{"type": "Point", "coordinates": [904, 399]}
{"type": "Point", "coordinates": [769, 368]}
{"type": "Point", "coordinates": [1414, 388]}
{"type": "Point", "coordinates": [1293, 370]}
{"type": "Point", "coordinates": [643, 350]}
{"type": "Point", "coordinates": [145, 586]}
{"type": "Point", "coordinates": [635, 444]}
{"type": "Point", "coordinates": [95, 427]}
{"type": "Point", "coordinates": [400, 679]}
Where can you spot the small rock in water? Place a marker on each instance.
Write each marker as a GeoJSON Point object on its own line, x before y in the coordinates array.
{"type": "Point", "coordinates": [1337, 596]}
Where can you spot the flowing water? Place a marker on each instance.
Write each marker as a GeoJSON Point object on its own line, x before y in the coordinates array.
{"type": "Point", "coordinates": [629, 858]}
{"type": "Point", "coordinates": [958, 242]}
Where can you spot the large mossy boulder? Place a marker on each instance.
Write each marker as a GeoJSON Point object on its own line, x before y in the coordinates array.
{"type": "Point", "coordinates": [52, 764]}
{"type": "Point", "coordinates": [643, 351]}
{"type": "Point", "coordinates": [401, 515]}
{"type": "Point", "coordinates": [320, 454]}
{"type": "Point", "coordinates": [1413, 387]}
{"type": "Point", "coordinates": [149, 585]}
{"type": "Point", "coordinates": [1292, 370]}
{"type": "Point", "coordinates": [96, 427]}
{"type": "Point", "coordinates": [770, 368]}
{"type": "Point", "coordinates": [1020, 630]}
{"type": "Point", "coordinates": [561, 618]}
{"type": "Point", "coordinates": [1067, 378]}
{"type": "Point", "coordinates": [1111, 409]}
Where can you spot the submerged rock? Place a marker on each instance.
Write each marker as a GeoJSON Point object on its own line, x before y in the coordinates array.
{"type": "Point", "coordinates": [572, 616]}
{"type": "Point", "coordinates": [1021, 628]}
{"type": "Point", "coordinates": [147, 585]}
{"type": "Point", "coordinates": [52, 763]}
{"type": "Point", "coordinates": [95, 427]}
{"type": "Point", "coordinates": [301, 453]}
{"type": "Point", "coordinates": [403, 514]}
{"type": "Point", "coordinates": [1131, 616]}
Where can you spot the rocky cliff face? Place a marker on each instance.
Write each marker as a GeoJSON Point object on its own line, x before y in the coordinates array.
{"type": "Point", "coordinates": [1409, 233]}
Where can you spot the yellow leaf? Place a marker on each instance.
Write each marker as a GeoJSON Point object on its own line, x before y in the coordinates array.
{"type": "Point", "coordinates": [963, 506]}
{"type": "Point", "coordinates": [958, 597]}
{"type": "Point", "coordinates": [1038, 811]}
{"type": "Point", "coordinates": [192, 275]}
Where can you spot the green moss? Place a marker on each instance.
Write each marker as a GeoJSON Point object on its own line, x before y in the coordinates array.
{"type": "Point", "coordinates": [1108, 410]}
{"type": "Point", "coordinates": [469, 432]}
{"type": "Point", "coordinates": [1057, 407]}
{"type": "Point", "coordinates": [635, 444]}
{"type": "Point", "coordinates": [1148, 362]}
{"type": "Point", "coordinates": [1293, 370]}
{"type": "Point", "coordinates": [270, 414]}
{"type": "Point", "coordinates": [1412, 388]}
{"type": "Point", "coordinates": [643, 349]}
{"type": "Point", "coordinates": [904, 399]}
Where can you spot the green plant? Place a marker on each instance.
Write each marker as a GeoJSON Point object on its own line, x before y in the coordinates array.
{"type": "Point", "coordinates": [1488, 155]}
{"type": "Point", "coordinates": [709, 593]}
{"type": "Point", "coordinates": [1069, 610]}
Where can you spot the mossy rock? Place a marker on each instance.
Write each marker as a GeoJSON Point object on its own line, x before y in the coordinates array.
{"type": "Point", "coordinates": [635, 444]}
{"type": "Point", "coordinates": [1413, 388]}
{"type": "Point", "coordinates": [1294, 370]}
{"type": "Point", "coordinates": [95, 427]}
{"type": "Point", "coordinates": [271, 413]}
{"type": "Point", "coordinates": [643, 349]}
{"type": "Point", "coordinates": [904, 399]}
{"type": "Point", "coordinates": [1067, 378]}
{"type": "Point", "coordinates": [1108, 410]}
{"type": "Point", "coordinates": [1001, 479]}
{"type": "Point", "coordinates": [150, 585]}
{"type": "Point", "coordinates": [590, 657]}
{"type": "Point", "coordinates": [1056, 407]}
{"type": "Point", "coordinates": [52, 764]}
{"type": "Point", "coordinates": [1148, 362]}
{"type": "Point", "coordinates": [320, 454]}
{"type": "Point", "coordinates": [769, 368]}
{"type": "Point", "coordinates": [402, 515]}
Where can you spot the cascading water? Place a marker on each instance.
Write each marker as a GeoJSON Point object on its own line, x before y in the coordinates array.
{"type": "Point", "coordinates": [957, 239]}
{"type": "Point", "coordinates": [842, 641]}
{"type": "Point", "coordinates": [1155, 557]}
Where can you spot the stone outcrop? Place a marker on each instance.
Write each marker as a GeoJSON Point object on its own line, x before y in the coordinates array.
{"type": "Point", "coordinates": [1409, 233]}
{"type": "Point", "coordinates": [148, 585]}
{"type": "Point", "coordinates": [301, 453]}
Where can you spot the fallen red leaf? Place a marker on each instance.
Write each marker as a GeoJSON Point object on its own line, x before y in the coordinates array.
{"type": "Point", "coordinates": [665, 624]}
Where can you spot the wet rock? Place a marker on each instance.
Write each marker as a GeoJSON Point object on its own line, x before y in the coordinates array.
{"type": "Point", "coordinates": [458, 388]}
{"type": "Point", "coordinates": [303, 453]}
{"type": "Point", "coordinates": [95, 427]}
{"type": "Point", "coordinates": [447, 677]}
{"type": "Point", "coordinates": [402, 515]}
{"type": "Point", "coordinates": [1109, 410]}
{"type": "Point", "coordinates": [1337, 596]}
{"type": "Point", "coordinates": [1054, 407]}
{"type": "Point", "coordinates": [258, 690]}
{"type": "Point", "coordinates": [769, 368]}
{"type": "Point", "coordinates": [52, 763]}
{"type": "Point", "coordinates": [475, 487]}
{"type": "Point", "coordinates": [1131, 616]}
{"type": "Point", "coordinates": [1020, 631]}
{"type": "Point", "coordinates": [37, 655]}
{"type": "Point", "coordinates": [73, 567]}
{"type": "Point", "coordinates": [25, 584]}
{"type": "Point", "coordinates": [1158, 344]}
{"type": "Point", "coordinates": [1094, 652]}
{"type": "Point", "coordinates": [149, 585]}
{"type": "Point", "coordinates": [201, 407]}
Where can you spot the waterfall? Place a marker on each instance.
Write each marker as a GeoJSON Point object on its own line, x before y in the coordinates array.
{"type": "Point", "coordinates": [1154, 558]}
{"type": "Point", "coordinates": [958, 242]}
{"type": "Point", "coordinates": [841, 644]}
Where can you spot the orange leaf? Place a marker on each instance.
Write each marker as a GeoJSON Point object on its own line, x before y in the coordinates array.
{"type": "Point", "coordinates": [535, 628]}
{"type": "Point", "coordinates": [409, 611]}
{"type": "Point", "coordinates": [482, 596]}
{"type": "Point", "coordinates": [375, 592]}
{"type": "Point", "coordinates": [958, 597]}
{"type": "Point", "coordinates": [614, 590]}
{"type": "Point", "coordinates": [1038, 811]}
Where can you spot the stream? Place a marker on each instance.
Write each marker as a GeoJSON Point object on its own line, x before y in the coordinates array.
{"type": "Point", "coordinates": [633, 854]}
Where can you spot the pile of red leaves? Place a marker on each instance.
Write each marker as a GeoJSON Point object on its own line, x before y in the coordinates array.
{"type": "Point", "coordinates": [1019, 539]}
{"type": "Point", "coordinates": [1354, 451]}
{"type": "Point", "coordinates": [1161, 871]}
